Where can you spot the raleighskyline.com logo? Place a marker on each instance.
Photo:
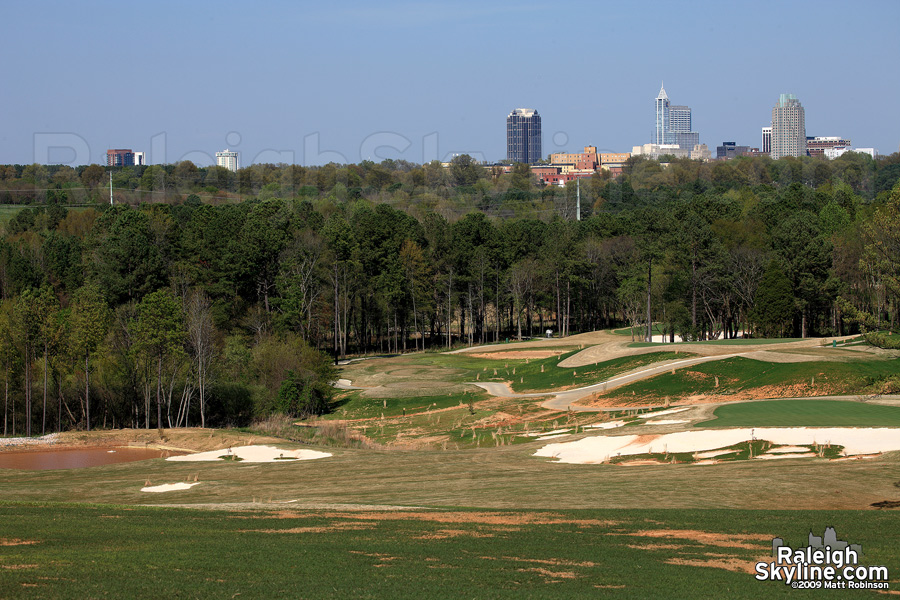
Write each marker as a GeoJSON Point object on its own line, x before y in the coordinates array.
{"type": "Point", "coordinates": [826, 562]}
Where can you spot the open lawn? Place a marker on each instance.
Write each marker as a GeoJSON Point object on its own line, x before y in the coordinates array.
{"type": "Point", "coordinates": [734, 342]}
{"type": "Point", "coordinates": [72, 551]}
{"type": "Point", "coordinates": [743, 378]}
{"type": "Point", "coordinates": [804, 413]}
{"type": "Point", "coordinates": [432, 375]}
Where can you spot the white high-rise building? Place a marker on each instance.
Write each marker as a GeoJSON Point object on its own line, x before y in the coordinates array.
{"type": "Point", "coordinates": [663, 133]}
{"type": "Point", "coordinates": [788, 127]}
{"type": "Point", "coordinates": [673, 124]}
{"type": "Point", "coordinates": [228, 159]}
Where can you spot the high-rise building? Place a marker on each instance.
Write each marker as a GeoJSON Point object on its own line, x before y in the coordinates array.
{"type": "Point", "coordinates": [788, 127]}
{"type": "Point", "coordinates": [680, 118]}
{"type": "Point", "coordinates": [663, 119]}
{"type": "Point", "coordinates": [673, 123]}
{"type": "Point", "coordinates": [766, 140]}
{"type": "Point", "coordinates": [119, 157]}
{"type": "Point", "coordinates": [523, 136]}
{"type": "Point", "coordinates": [228, 159]}
{"type": "Point", "coordinates": [140, 159]}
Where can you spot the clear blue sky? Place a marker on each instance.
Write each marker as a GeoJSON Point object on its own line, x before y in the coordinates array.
{"type": "Point", "coordinates": [306, 82]}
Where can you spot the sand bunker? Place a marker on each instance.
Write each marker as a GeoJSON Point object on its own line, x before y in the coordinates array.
{"type": "Point", "coordinates": [253, 454]}
{"type": "Point", "coordinates": [598, 449]}
{"type": "Point", "coordinates": [169, 487]}
{"type": "Point", "coordinates": [609, 425]}
{"type": "Point", "coordinates": [786, 455]}
{"type": "Point", "coordinates": [670, 411]}
{"type": "Point", "coordinates": [667, 422]}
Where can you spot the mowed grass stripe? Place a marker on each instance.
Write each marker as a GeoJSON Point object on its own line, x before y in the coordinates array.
{"type": "Point", "coordinates": [138, 552]}
{"type": "Point", "coordinates": [733, 375]}
{"type": "Point", "coordinates": [804, 413]}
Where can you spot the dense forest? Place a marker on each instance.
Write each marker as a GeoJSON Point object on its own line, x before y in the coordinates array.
{"type": "Point", "coordinates": [205, 297]}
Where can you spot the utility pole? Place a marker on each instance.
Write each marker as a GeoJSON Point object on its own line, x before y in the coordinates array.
{"type": "Point", "coordinates": [110, 189]}
{"type": "Point", "coordinates": [578, 199]}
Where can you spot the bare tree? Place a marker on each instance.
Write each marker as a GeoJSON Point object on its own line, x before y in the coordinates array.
{"type": "Point", "coordinates": [201, 343]}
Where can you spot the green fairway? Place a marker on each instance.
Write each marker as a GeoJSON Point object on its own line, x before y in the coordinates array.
{"type": "Point", "coordinates": [433, 375]}
{"type": "Point", "coordinates": [76, 551]}
{"type": "Point", "coordinates": [356, 406]}
{"type": "Point", "coordinates": [540, 375]}
{"type": "Point", "coordinates": [734, 342]}
{"type": "Point", "coordinates": [804, 413]}
{"type": "Point", "coordinates": [732, 376]}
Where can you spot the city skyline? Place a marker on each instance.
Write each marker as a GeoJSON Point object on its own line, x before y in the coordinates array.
{"type": "Point", "coordinates": [419, 81]}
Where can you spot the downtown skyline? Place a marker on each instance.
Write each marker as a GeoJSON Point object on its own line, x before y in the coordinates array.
{"type": "Point", "coordinates": [307, 84]}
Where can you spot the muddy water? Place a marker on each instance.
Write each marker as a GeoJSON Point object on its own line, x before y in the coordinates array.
{"type": "Point", "coordinates": [75, 458]}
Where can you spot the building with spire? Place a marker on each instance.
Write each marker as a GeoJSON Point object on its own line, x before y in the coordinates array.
{"type": "Point", "coordinates": [523, 136]}
{"type": "Point", "coordinates": [673, 124]}
{"type": "Point", "coordinates": [788, 127]}
{"type": "Point", "coordinates": [663, 118]}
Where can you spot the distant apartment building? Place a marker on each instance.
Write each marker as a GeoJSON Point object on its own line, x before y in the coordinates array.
{"type": "Point", "coordinates": [729, 150]}
{"type": "Point", "coordinates": [701, 152]}
{"type": "Point", "coordinates": [120, 157]}
{"type": "Point", "coordinates": [654, 151]}
{"type": "Point", "coordinates": [228, 159]}
{"type": "Point", "coordinates": [140, 159]}
{"type": "Point", "coordinates": [766, 146]}
{"type": "Point", "coordinates": [788, 127]}
{"type": "Point", "coordinates": [816, 146]}
{"type": "Point", "coordinates": [523, 136]}
{"type": "Point", "coordinates": [589, 159]}
{"type": "Point", "coordinates": [831, 153]}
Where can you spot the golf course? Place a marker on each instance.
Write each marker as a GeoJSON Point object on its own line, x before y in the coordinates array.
{"type": "Point", "coordinates": [587, 465]}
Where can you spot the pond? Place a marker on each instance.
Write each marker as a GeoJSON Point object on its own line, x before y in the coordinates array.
{"type": "Point", "coordinates": [76, 458]}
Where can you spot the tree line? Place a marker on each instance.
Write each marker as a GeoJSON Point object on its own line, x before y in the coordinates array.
{"type": "Point", "coordinates": [210, 308]}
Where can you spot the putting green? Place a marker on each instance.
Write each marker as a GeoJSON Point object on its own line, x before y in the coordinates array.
{"type": "Point", "coordinates": [804, 413]}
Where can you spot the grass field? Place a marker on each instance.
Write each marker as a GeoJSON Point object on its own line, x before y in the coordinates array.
{"type": "Point", "coordinates": [735, 342]}
{"type": "Point", "coordinates": [804, 413]}
{"type": "Point", "coordinates": [440, 374]}
{"type": "Point", "coordinates": [72, 551]}
{"type": "Point", "coordinates": [757, 379]}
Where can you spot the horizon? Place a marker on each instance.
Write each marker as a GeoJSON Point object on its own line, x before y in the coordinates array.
{"type": "Point", "coordinates": [424, 82]}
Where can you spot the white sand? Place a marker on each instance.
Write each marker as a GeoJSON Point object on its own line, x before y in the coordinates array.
{"type": "Point", "coordinates": [714, 453]}
{"type": "Point", "coordinates": [667, 422]}
{"type": "Point", "coordinates": [253, 454]}
{"type": "Point", "coordinates": [782, 449]}
{"type": "Point", "coordinates": [786, 455]}
{"type": "Point", "coordinates": [551, 437]}
{"type": "Point", "coordinates": [609, 425]}
{"type": "Point", "coordinates": [540, 434]}
{"type": "Point", "coordinates": [169, 487]}
{"type": "Point", "coordinates": [596, 448]}
{"type": "Point", "coordinates": [670, 411]}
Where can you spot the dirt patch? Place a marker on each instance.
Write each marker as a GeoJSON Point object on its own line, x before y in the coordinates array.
{"type": "Point", "coordinates": [339, 526]}
{"type": "Point", "coordinates": [737, 565]}
{"type": "Point", "coordinates": [553, 562]}
{"type": "Point", "coordinates": [444, 534]}
{"type": "Point", "coordinates": [519, 354]}
{"type": "Point", "coordinates": [707, 538]}
{"type": "Point", "coordinates": [655, 546]}
{"type": "Point", "coordinates": [477, 518]}
{"type": "Point", "coordinates": [550, 575]}
{"type": "Point", "coordinates": [17, 567]}
{"type": "Point", "coordinates": [16, 542]}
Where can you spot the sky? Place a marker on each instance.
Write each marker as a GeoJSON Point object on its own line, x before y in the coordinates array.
{"type": "Point", "coordinates": [313, 82]}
